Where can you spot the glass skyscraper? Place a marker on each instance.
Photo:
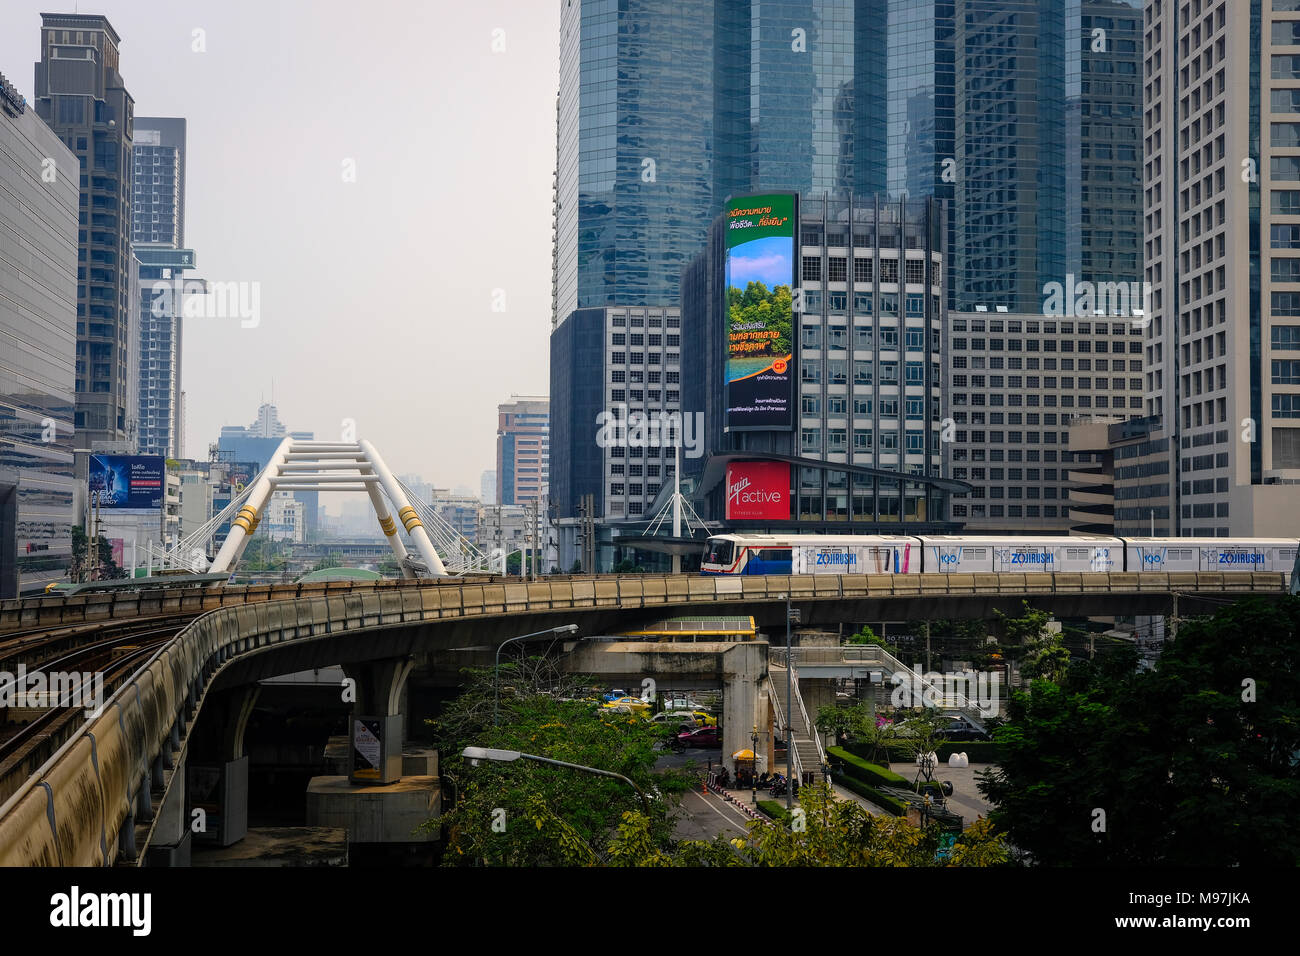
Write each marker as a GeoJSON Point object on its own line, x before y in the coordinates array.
{"type": "Point", "coordinates": [1103, 97]}
{"type": "Point", "coordinates": [38, 348]}
{"type": "Point", "coordinates": [1025, 116]}
{"type": "Point", "coordinates": [1010, 155]}
{"type": "Point", "coordinates": [922, 106]}
{"type": "Point", "coordinates": [665, 109]}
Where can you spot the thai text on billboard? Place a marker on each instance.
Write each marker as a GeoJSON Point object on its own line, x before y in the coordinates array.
{"type": "Point", "coordinates": [127, 481]}
{"type": "Point", "coordinates": [759, 318]}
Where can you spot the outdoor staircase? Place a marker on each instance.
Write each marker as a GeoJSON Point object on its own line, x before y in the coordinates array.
{"type": "Point", "coordinates": [806, 744]}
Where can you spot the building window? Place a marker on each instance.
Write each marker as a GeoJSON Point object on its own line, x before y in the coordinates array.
{"type": "Point", "coordinates": [862, 270]}
{"type": "Point", "coordinates": [812, 269]}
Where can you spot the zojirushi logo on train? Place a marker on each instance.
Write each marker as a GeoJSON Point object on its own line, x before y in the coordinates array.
{"type": "Point", "coordinates": [837, 558]}
{"type": "Point", "coordinates": [1240, 557]}
{"type": "Point", "coordinates": [1031, 557]}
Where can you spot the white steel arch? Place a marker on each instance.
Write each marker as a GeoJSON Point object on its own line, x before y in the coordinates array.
{"type": "Point", "coordinates": [299, 465]}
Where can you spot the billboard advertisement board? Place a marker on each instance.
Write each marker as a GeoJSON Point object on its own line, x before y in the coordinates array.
{"type": "Point", "coordinates": [758, 489]}
{"type": "Point", "coordinates": [128, 481]}
{"type": "Point", "coordinates": [759, 319]}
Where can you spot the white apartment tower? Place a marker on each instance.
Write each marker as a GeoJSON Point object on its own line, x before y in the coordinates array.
{"type": "Point", "coordinates": [1221, 85]}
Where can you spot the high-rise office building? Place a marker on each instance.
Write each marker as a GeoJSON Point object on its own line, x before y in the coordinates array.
{"type": "Point", "coordinates": [1222, 226]}
{"type": "Point", "coordinates": [1103, 102]}
{"type": "Point", "coordinates": [1015, 386]}
{"type": "Point", "coordinates": [38, 342]}
{"type": "Point", "coordinates": [864, 453]}
{"type": "Point", "coordinates": [1009, 151]}
{"type": "Point", "coordinates": [654, 132]}
{"type": "Point", "coordinates": [158, 235]}
{"type": "Point", "coordinates": [81, 96]}
{"type": "Point", "coordinates": [523, 451]}
{"type": "Point", "coordinates": [1026, 117]}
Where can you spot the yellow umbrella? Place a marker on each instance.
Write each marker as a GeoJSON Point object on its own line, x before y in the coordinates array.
{"type": "Point", "coordinates": [743, 755]}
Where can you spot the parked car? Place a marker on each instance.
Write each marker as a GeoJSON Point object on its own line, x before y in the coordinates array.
{"type": "Point", "coordinates": [700, 737]}
{"type": "Point", "coordinates": [627, 705]}
{"type": "Point", "coordinates": [954, 727]}
{"type": "Point", "coordinates": [676, 718]}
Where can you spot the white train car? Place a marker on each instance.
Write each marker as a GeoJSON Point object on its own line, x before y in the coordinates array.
{"type": "Point", "coordinates": [971, 554]}
{"type": "Point", "coordinates": [1210, 554]}
{"type": "Point", "coordinates": [857, 554]}
{"type": "Point", "coordinates": [811, 554]}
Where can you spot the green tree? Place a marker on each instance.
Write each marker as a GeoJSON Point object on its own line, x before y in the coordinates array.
{"type": "Point", "coordinates": [867, 636]}
{"type": "Point", "coordinates": [530, 814]}
{"type": "Point", "coordinates": [1027, 635]}
{"type": "Point", "coordinates": [860, 722]}
{"type": "Point", "coordinates": [1196, 762]}
{"type": "Point", "coordinates": [105, 568]}
{"type": "Point", "coordinates": [831, 832]}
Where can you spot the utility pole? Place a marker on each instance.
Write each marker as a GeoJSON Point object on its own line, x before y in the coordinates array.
{"type": "Point", "coordinates": [927, 647]}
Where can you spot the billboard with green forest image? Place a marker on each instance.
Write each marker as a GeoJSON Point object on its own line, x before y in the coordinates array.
{"type": "Point", "coordinates": [760, 316]}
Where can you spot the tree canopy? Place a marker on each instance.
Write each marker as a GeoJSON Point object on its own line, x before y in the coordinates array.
{"type": "Point", "coordinates": [1196, 762]}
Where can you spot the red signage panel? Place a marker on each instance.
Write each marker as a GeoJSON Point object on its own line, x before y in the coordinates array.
{"type": "Point", "coordinates": [758, 489]}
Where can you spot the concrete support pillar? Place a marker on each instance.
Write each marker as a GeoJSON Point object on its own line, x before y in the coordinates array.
{"type": "Point", "coordinates": [170, 844]}
{"type": "Point", "coordinates": [744, 667]}
{"type": "Point", "coordinates": [376, 728]}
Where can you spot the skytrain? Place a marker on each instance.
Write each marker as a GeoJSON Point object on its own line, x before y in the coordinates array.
{"type": "Point", "coordinates": [970, 554]}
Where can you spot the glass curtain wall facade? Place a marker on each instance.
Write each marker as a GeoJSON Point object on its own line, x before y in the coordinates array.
{"type": "Point", "coordinates": [1103, 99]}
{"type": "Point", "coordinates": [1010, 151]}
{"type": "Point", "coordinates": [653, 133]}
{"type": "Point", "coordinates": [38, 342]}
{"type": "Point", "coordinates": [922, 108]}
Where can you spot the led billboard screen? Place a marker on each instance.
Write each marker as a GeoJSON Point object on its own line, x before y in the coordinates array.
{"type": "Point", "coordinates": [131, 482]}
{"type": "Point", "coordinates": [758, 489]}
{"type": "Point", "coordinates": [759, 317]}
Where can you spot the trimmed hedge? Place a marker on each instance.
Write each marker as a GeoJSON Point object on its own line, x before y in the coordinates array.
{"type": "Point", "coordinates": [868, 773]}
{"type": "Point", "coordinates": [977, 751]}
{"type": "Point", "coordinates": [897, 807]}
{"type": "Point", "coordinates": [776, 811]}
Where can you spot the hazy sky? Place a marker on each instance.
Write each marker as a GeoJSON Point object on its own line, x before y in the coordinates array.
{"type": "Point", "coordinates": [376, 295]}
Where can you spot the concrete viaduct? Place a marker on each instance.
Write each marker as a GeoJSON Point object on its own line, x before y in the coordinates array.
{"type": "Point", "coordinates": [114, 791]}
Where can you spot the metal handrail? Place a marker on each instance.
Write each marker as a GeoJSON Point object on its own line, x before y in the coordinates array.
{"type": "Point", "coordinates": [812, 730]}
{"type": "Point", "coordinates": [774, 697]}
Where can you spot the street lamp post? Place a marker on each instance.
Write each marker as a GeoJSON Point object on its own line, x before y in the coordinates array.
{"type": "Point", "coordinates": [496, 667]}
{"type": "Point", "coordinates": [476, 754]}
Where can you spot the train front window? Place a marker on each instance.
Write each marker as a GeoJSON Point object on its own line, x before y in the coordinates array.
{"type": "Point", "coordinates": [719, 552]}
